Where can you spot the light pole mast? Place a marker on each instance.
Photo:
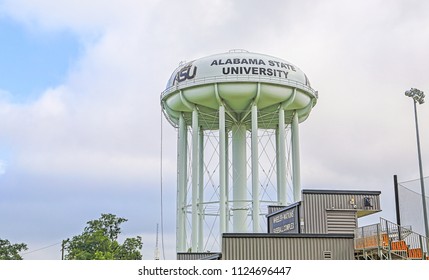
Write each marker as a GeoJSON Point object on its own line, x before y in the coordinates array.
{"type": "Point", "coordinates": [418, 96]}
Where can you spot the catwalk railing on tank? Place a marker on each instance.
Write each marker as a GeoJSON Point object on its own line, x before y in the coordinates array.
{"type": "Point", "coordinates": [237, 78]}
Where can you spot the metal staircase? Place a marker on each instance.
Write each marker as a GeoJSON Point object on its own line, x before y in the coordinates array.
{"type": "Point", "coordinates": [389, 241]}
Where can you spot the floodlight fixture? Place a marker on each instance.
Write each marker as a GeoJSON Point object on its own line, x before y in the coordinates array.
{"type": "Point", "coordinates": [416, 94]}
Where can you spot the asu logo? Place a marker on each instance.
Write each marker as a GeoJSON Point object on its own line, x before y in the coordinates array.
{"type": "Point", "coordinates": [187, 72]}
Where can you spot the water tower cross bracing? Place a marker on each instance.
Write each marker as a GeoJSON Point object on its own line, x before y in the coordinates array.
{"type": "Point", "coordinates": [229, 109]}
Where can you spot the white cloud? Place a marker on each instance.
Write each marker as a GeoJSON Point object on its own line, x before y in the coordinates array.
{"type": "Point", "coordinates": [105, 119]}
{"type": "Point", "coordinates": [79, 16]}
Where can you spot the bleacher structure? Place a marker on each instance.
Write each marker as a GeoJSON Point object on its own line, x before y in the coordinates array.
{"type": "Point", "coordinates": [389, 241]}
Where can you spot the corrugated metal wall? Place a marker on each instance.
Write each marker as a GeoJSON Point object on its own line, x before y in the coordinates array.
{"type": "Point", "coordinates": [341, 221]}
{"type": "Point", "coordinates": [316, 203]}
{"type": "Point", "coordinates": [287, 247]}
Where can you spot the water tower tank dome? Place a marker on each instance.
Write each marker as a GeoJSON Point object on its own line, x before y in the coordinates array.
{"type": "Point", "coordinates": [237, 79]}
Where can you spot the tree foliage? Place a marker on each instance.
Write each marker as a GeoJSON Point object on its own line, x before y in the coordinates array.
{"type": "Point", "coordinates": [99, 242]}
{"type": "Point", "coordinates": [10, 251]}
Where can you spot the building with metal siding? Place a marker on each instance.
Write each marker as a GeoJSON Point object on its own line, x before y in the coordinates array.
{"type": "Point", "coordinates": [336, 211]}
{"type": "Point", "coordinates": [242, 246]}
{"type": "Point", "coordinates": [320, 226]}
{"type": "Point", "coordinates": [324, 211]}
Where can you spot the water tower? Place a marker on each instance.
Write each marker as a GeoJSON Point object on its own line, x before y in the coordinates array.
{"type": "Point", "coordinates": [237, 116]}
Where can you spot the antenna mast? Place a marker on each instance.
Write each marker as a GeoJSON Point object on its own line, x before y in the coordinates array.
{"type": "Point", "coordinates": [156, 245]}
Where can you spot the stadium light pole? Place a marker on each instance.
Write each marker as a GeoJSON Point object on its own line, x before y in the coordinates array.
{"type": "Point", "coordinates": [418, 97]}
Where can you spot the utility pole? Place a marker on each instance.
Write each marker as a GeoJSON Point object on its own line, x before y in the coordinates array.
{"type": "Point", "coordinates": [63, 245]}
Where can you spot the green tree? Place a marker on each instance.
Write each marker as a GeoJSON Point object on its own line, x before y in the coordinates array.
{"type": "Point", "coordinates": [10, 251]}
{"type": "Point", "coordinates": [99, 242]}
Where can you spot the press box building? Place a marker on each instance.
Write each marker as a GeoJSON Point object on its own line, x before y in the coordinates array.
{"type": "Point", "coordinates": [320, 226]}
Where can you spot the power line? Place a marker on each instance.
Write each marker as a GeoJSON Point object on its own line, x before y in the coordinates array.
{"type": "Point", "coordinates": [40, 249]}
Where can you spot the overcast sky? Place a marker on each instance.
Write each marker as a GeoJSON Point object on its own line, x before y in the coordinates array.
{"type": "Point", "coordinates": [80, 84]}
